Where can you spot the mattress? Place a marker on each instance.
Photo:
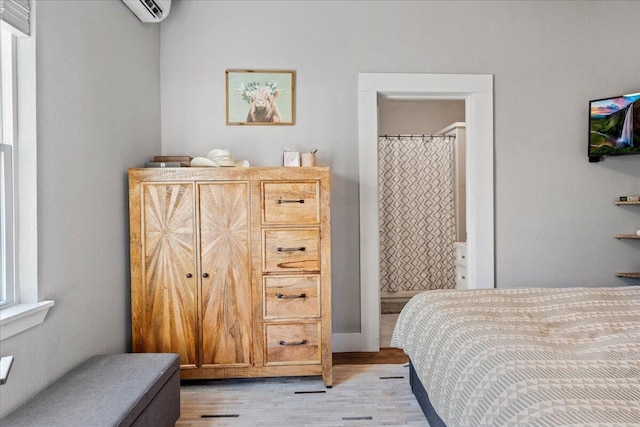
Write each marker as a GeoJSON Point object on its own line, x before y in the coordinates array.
{"type": "Point", "coordinates": [534, 357]}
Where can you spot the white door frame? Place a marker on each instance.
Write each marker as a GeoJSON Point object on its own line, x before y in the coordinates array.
{"type": "Point", "coordinates": [477, 92]}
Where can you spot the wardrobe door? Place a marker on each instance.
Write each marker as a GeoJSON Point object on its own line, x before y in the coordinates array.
{"type": "Point", "coordinates": [168, 295]}
{"type": "Point", "coordinates": [225, 260]}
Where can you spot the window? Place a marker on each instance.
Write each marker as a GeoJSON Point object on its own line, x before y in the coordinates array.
{"type": "Point", "coordinates": [7, 134]}
{"type": "Point", "coordinates": [20, 308]}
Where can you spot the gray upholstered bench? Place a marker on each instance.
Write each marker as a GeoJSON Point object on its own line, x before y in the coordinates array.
{"type": "Point", "coordinates": [139, 389]}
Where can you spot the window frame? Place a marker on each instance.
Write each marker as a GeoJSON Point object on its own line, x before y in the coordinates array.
{"type": "Point", "coordinates": [27, 310]}
{"type": "Point", "coordinates": [8, 126]}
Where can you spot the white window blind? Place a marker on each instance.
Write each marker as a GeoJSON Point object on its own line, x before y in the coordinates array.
{"type": "Point", "coordinates": [16, 14]}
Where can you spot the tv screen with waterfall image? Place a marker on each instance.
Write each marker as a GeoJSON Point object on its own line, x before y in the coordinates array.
{"type": "Point", "coordinates": [614, 126]}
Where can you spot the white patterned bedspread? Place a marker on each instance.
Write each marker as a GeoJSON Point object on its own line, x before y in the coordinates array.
{"type": "Point", "coordinates": [527, 357]}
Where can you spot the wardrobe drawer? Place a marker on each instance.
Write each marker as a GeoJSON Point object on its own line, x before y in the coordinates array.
{"type": "Point", "coordinates": [291, 297]}
{"type": "Point", "coordinates": [290, 202]}
{"type": "Point", "coordinates": [292, 343]}
{"type": "Point", "coordinates": [291, 249]}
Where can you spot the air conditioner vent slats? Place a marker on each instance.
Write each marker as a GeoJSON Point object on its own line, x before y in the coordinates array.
{"type": "Point", "coordinates": [149, 10]}
{"type": "Point", "coordinates": [153, 8]}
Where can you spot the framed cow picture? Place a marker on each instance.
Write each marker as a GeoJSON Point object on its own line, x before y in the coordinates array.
{"type": "Point", "coordinates": [260, 97]}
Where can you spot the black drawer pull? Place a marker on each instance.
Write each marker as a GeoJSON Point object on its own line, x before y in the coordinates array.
{"type": "Point", "coordinates": [281, 201]}
{"type": "Point", "coordinates": [300, 249]}
{"type": "Point", "coordinates": [284, 343]}
{"type": "Point", "coordinates": [282, 296]}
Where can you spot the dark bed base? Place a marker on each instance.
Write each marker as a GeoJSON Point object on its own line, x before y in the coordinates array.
{"type": "Point", "coordinates": [423, 399]}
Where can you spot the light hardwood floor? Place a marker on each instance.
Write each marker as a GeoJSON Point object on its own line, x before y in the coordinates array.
{"type": "Point", "coordinates": [387, 323]}
{"type": "Point", "coordinates": [370, 389]}
{"type": "Point", "coordinates": [393, 356]}
{"type": "Point", "coordinates": [362, 395]}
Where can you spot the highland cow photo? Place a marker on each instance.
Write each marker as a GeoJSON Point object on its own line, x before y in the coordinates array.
{"type": "Point", "coordinates": [260, 97]}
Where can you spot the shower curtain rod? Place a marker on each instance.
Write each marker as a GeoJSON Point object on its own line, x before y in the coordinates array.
{"type": "Point", "coordinates": [412, 135]}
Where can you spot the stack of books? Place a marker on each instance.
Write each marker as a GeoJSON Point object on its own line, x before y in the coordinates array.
{"type": "Point", "coordinates": [169, 162]}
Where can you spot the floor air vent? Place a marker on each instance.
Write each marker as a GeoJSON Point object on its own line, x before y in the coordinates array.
{"type": "Point", "coordinates": [220, 416]}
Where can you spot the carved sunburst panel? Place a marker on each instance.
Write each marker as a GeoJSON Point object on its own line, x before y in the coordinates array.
{"type": "Point", "coordinates": [169, 248]}
{"type": "Point", "coordinates": [225, 258]}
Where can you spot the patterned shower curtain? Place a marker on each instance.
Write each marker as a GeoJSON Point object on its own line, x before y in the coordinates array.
{"type": "Point", "coordinates": [416, 212]}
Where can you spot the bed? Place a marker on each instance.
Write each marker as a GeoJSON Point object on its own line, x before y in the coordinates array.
{"type": "Point", "coordinates": [516, 357]}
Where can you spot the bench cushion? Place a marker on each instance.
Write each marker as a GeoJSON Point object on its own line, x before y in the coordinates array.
{"type": "Point", "coordinates": [107, 390]}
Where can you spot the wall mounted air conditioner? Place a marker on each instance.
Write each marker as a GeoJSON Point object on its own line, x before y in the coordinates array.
{"type": "Point", "coordinates": [149, 10]}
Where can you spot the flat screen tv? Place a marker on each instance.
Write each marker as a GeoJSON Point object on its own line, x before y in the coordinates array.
{"type": "Point", "coordinates": [614, 126]}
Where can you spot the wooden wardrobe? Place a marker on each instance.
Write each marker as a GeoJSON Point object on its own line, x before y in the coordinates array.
{"type": "Point", "coordinates": [231, 269]}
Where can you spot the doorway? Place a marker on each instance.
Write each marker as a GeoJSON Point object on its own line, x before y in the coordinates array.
{"type": "Point", "coordinates": [477, 93]}
{"type": "Point", "coordinates": [421, 166]}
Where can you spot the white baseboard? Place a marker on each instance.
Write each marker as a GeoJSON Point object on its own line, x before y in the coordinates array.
{"type": "Point", "coordinates": [342, 343]}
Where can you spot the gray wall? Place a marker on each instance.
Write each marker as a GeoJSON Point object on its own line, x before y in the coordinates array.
{"type": "Point", "coordinates": [417, 117]}
{"type": "Point", "coordinates": [553, 210]}
{"type": "Point", "coordinates": [98, 90]}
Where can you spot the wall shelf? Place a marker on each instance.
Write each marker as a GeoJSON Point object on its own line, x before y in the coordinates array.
{"type": "Point", "coordinates": [628, 275]}
{"type": "Point", "coordinates": [633, 275]}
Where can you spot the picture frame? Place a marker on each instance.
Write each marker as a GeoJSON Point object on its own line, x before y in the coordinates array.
{"type": "Point", "coordinates": [260, 97]}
